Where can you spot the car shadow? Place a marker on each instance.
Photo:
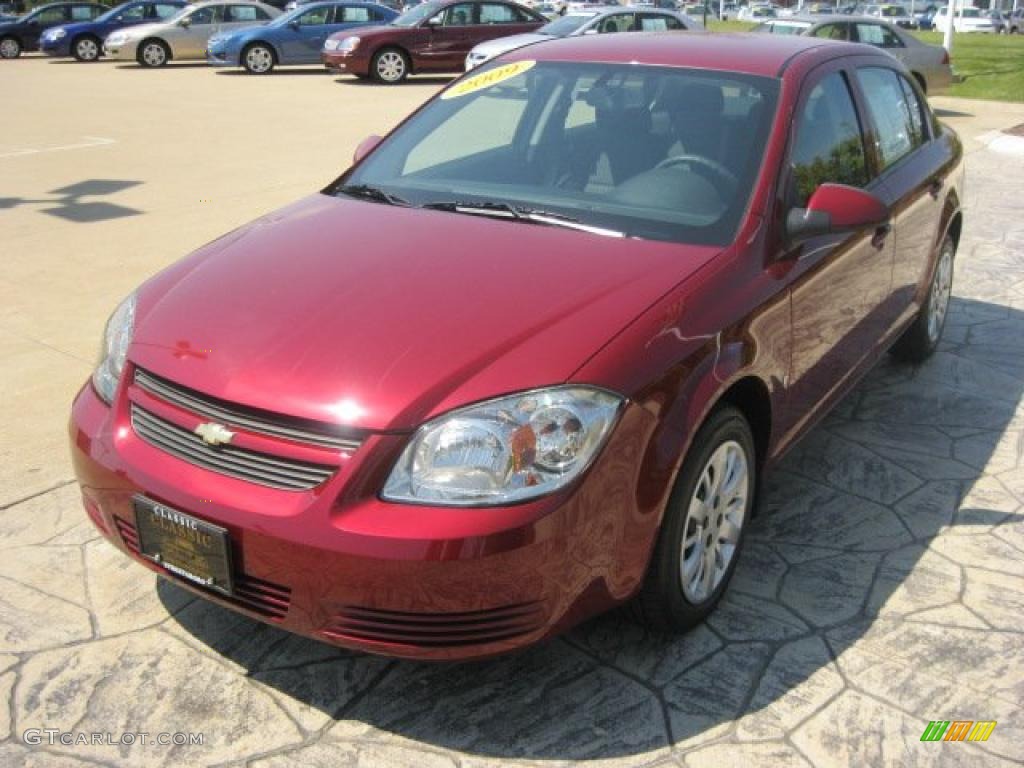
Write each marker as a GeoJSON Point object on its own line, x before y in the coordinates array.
{"type": "Point", "coordinates": [277, 72]}
{"type": "Point", "coordinates": [72, 202]}
{"type": "Point", "coordinates": [850, 549]}
{"type": "Point", "coordinates": [169, 65]}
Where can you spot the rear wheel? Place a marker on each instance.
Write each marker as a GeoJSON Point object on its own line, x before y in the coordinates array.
{"type": "Point", "coordinates": [86, 48]}
{"type": "Point", "coordinates": [389, 65]}
{"type": "Point", "coordinates": [919, 340]}
{"type": "Point", "coordinates": [153, 53]}
{"type": "Point", "coordinates": [258, 59]}
{"type": "Point", "coordinates": [10, 48]}
{"type": "Point", "coordinates": [705, 520]}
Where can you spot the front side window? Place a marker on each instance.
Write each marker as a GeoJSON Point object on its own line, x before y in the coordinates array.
{"type": "Point", "coordinates": [204, 16]}
{"type": "Point", "coordinates": [828, 146]}
{"type": "Point", "coordinates": [460, 15]}
{"type": "Point", "coordinates": [617, 22]}
{"type": "Point", "coordinates": [659, 153]}
{"type": "Point", "coordinates": [830, 31]}
{"type": "Point", "coordinates": [887, 107]}
{"type": "Point", "coordinates": [877, 35]}
{"type": "Point", "coordinates": [50, 16]}
{"type": "Point", "coordinates": [315, 17]}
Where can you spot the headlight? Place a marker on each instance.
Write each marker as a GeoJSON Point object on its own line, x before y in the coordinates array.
{"type": "Point", "coordinates": [331, 45]}
{"type": "Point", "coordinates": [116, 338]}
{"type": "Point", "coordinates": [505, 450]}
{"type": "Point", "coordinates": [348, 44]}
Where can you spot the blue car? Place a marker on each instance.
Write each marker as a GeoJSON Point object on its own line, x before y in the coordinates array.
{"type": "Point", "coordinates": [84, 40]}
{"type": "Point", "coordinates": [294, 38]}
{"type": "Point", "coordinates": [23, 33]}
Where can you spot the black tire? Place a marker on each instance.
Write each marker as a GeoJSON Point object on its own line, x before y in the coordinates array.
{"type": "Point", "coordinates": [151, 60]}
{"type": "Point", "coordinates": [919, 341]}
{"type": "Point", "coordinates": [10, 47]}
{"type": "Point", "coordinates": [387, 61]}
{"type": "Point", "coordinates": [662, 603]}
{"type": "Point", "coordinates": [263, 59]}
{"type": "Point", "coordinates": [86, 48]}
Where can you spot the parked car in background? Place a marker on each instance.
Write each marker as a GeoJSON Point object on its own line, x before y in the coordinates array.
{"type": "Point", "coordinates": [929, 64]}
{"type": "Point", "coordinates": [296, 37]}
{"type": "Point", "coordinates": [966, 20]}
{"type": "Point", "coordinates": [1015, 22]}
{"type": "Point", "coordinates": [923, 15]}
{"type": "Point", "coordinates": [894, 14]}
{"type": "Point", "coordinates": [23, 33]}
{"type": "Point", "coordinates": [757, 13]}
{"type": "Point", "coordinates": [623, 19]}
{"type": "Point", "coordinates": [183, 37]}
{"type": "Point", "coordinates": [532, 355]}
{"type": "Point", "coordinates": [84, 40]}
{"type": "Point", "coordinates": [433, 37]}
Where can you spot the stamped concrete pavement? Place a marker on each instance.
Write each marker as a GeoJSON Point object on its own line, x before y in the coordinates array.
{"type": "Point", "coordinates": [882, 585]}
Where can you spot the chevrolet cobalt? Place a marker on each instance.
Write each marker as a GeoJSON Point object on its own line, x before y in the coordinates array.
{"type": "Point", "coordinates": [531, 356]}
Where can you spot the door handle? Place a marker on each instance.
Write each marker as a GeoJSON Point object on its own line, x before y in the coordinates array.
{"type": "Point", "coordinates": [934, 188]}
{"type": "Point", "coordinates": [882, 232]}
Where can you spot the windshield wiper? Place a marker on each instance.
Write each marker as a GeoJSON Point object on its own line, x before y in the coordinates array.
{"type": "Point", "coordinates": [375, 194]}
{"type": "Point", "coordinates": [521, 213]}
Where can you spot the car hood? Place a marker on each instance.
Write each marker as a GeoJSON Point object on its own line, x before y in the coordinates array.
{"type": "Point", "coordinates": [504, 44]}
{"type": "Point", "coordinates": [380, 317]}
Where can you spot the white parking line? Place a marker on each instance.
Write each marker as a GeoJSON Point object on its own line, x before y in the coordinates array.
{"type": "Point", "coordinates": [89, 143]}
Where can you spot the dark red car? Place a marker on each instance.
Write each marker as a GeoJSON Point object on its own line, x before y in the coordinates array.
{"type": "Point", "coordinates": [432, 37]}
{"type": "Point", "coordinates": [532, 355]}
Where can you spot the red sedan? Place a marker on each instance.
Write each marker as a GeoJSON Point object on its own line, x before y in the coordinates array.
{"type": "Point", "coordinates": [532, 355]}
{"type": "Point", "coordinates": [435, 36]}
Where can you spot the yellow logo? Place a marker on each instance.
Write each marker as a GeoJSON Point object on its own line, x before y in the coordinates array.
{"type": "Point", "coordinates": [487, 79]}
{"type": "Point", "coordinates": [214, 434]}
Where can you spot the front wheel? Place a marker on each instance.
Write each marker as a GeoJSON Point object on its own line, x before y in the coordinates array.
{"type": "Point", "coordinates": [10, 48]}
{"type": "Point", "coordinates": [919, 341]}
{"type": "Point", "coordinates": [258, 59]}
{"type": "Point", "coordinates": [153, 53]}
{"type": "Point", "coordinates": [389, 66]}
{"type": "Point", "coordinates": [86, 49]}
{"type": "Point", "coordinates": [705, 520]}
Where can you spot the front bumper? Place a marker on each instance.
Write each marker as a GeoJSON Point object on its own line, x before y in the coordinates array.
{"type": "Point", "coordinates": [121, 52]}
{"type": "Point", "coordinates": [341, 61]}
{"type": "Point", "coordinates": [337, 564]}
{"type": "Point", "coordinates": [221, 57]}
{"type": "Point", "coordinates": [61, 47]}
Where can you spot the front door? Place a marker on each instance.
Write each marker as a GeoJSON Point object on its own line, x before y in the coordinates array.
{"type": "Point", "coordinates": [301, 44]}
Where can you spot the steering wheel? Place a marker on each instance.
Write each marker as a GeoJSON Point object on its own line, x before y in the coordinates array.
{"type": "Point", "coordinates": [721, 173]}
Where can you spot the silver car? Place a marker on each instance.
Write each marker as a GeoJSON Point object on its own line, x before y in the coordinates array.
{"type": "Point", "coordinates": [184, 36]}
{"type": "Point", "coordinates": [590, 21]}
{"type": "Point", "coordinates": [929, 64]}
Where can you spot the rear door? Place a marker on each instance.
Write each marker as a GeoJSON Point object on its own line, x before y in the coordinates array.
{"type": "Point", "coordinates": [912, 184]}
{"type": "Point", "coordinates": [190, 42]}
{"type": "Point", "coordinates": [839, 283]}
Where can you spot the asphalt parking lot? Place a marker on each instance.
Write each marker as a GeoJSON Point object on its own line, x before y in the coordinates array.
{"type": "Point", "coordinates": [882, 586]}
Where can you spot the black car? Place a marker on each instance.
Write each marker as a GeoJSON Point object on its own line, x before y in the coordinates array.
{"type": "Point", "coordinates": [22, 34]}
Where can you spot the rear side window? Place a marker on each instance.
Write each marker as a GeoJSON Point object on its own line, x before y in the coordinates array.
{"type": "Point", "coordinates": [897, 134]}
{"type": "Point", "coordinates": [83, 13]}
{"type": "Point", "coordinates": [657, 23]}
{"type": "Point", "coordinates": [879, 36]}
{"type": "Point", "coordinates": [352, 14]}
{"type": "Point", "coordinates": [238, 13]}
{"type": "Point", "coordinates": [495, 13]}
{"type": "Point", "coordinates": [164, 11]}
{"type": "Point", "coordinates": [828, 145]}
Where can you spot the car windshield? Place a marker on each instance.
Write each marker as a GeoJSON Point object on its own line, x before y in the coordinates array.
{"type": "Point", "coordinates": [566, 25]}
{"type": "Point", "coordinates": [660, 153]}
{"type": "Point", "coordinates": [415, 15]}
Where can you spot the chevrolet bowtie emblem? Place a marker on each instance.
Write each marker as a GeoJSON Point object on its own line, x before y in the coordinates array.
{"type": "Point", "coordinates": [214, 433]}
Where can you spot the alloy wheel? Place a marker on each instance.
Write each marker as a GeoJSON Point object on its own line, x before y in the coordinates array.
{"type": "Point", "coordinates": [154, 55]}
{"type": "Point", "coordinates": [87, 50]}
{"type": "Point", "coordinates": [714, 520]}
{"type": "Point", "coordinates": [9, 48]}
{"type": "Point", "coordinates": [938, 298]}
{"type": "Point", "coordinates": [391, 66]}
{"type": "Point", "coordinates": [259, 60]}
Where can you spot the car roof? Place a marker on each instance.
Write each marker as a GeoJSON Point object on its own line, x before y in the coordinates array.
{"type": "Point", "coordinates": [743, 52]}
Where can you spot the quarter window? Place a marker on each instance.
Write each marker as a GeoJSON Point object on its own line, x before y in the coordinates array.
{"type": "Point", "coordinates": [828, 145]}
{"type": "Point", "coordinates": [896, 136]}
{"type": "Point", "coordinates": [917, 113]}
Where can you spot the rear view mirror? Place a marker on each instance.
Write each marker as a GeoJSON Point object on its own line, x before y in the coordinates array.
{"type": "Point", "coordinates": [366, 146]}
{"type": "Point", "coordinates": [834, 209]}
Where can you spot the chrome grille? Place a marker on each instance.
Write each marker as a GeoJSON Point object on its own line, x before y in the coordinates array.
{"type": "Point", "coordinates": [236, 416]}
{"type": "Point", "coordinates": [261, 468]}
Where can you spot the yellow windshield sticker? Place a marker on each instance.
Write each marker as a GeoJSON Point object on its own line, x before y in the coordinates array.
{"type": "Point", "coordinates": [487, 79]}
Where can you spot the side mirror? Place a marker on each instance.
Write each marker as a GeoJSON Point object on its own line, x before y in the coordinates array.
{"type": "Point", "coordinates": [834, 209]}
{"type": "Point", "coordinates": [434, 22]}
{"type": "Point", "coordinates": [590, 32]}
{"type": "Point", "coordinates": [186, 23]}
{"type": "Point", "coordinates": [366, 146]}
{"type": "Point", "coordinates": [294, 24]}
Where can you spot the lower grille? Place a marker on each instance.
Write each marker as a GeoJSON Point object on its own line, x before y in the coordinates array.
{"type": "Point", "coordinates": [436, 629]}
{"type": "Point", "coordinates": [258, 596]}
{"type": "Point", "coordinates": [260, 468]}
